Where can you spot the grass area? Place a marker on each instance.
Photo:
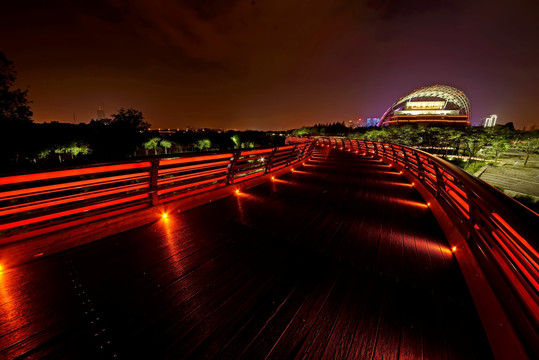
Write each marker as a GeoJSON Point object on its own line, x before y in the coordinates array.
{"type": "Point", "coordinates": [471, 167]}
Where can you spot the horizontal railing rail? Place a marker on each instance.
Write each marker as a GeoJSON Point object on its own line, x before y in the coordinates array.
{"type": "Point", "coordinates": [502, 233]}
{"type": "Point", "coordinates": [72, 196]}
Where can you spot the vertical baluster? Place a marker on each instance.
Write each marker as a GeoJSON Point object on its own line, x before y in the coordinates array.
{"type": "Point", "coordinates": [154, 172]}
{"type": "Point", "coordinates": [232, 167]}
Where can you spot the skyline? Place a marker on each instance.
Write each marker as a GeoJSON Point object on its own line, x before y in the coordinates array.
{"type": "Point", "coordinates": [269, 65]}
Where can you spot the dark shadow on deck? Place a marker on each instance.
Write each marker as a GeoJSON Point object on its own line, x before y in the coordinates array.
{"type": "Point", "coordinates": [340, 259]}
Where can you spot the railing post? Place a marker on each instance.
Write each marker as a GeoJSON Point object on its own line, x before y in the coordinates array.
{"type": "Point", "coordinates": [232, 167]}
{"type": "Point", "coordinates": [289, 160]}
{"type": "Point", "coordinates": [420, 170]}
{"type": "Point", "coordinates": [439, 180]}
{"type": "Point", "coordinates": [154, 172]}
{"type": "Point", "coordinates": [269, 165]}
{"type": "Point", "coordinates": [405, 156]}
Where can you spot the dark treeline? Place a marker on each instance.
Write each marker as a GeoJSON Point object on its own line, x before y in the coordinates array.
{"type": "Point", "coordinates": [126, 135]}
{"type": "Point", "coordinates": [329, 129]}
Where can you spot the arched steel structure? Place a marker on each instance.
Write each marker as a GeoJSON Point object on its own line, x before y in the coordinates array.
{"type": "Point", "coordinates": [436, 104]}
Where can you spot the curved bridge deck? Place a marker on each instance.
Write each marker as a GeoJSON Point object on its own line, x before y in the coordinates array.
{"type": "Point", "coordinates": [339, 259]}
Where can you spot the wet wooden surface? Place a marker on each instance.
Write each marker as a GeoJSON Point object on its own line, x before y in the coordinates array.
{"type": "Point", "coordinates": [339, 259]}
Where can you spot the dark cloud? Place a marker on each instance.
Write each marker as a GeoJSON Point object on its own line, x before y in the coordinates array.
{"type": "Point", "coordinates": [267, 64]}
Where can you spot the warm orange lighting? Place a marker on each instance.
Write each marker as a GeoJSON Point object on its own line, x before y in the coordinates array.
{"type": "Point", "coordinates": [400, 172]}
{"type": "Point", "coordinates": [412, 184]}
{"type": "Point", "coordinates": [428, 204]}
{"type": "Point", "coordinates": [454, 248]}
{"type": "Point", "coordinates": [165, 215]}
{"type": "Point", "coordinates": [292, 170]}
{"type": "Point", "coordinates": [237, 191]}
{"type": "Point", "coordinates": [273, 178]}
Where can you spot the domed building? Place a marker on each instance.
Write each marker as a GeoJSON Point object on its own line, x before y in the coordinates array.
{"type": "Point", "coordinates": [432, 105]}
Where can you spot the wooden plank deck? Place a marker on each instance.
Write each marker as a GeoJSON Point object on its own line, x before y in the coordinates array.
{"type": "Point", "coordinates": [339, 259]}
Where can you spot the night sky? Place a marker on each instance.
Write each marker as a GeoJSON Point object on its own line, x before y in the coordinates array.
{"type": "Point", "coordinates": [269, 64]}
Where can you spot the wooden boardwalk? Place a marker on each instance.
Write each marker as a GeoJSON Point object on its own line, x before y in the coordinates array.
{"type": "Point", "coordinates": [339, 259]}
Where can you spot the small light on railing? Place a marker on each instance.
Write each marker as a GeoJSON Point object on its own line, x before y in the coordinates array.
{"type": "Point", "coordinates": [428, 204]}
{"type": "Point", "coordinates": [412, 184]}
{"type": "Point", "coordinates": [454, 248]}
{"type": "Point", "coordinates": [400, 172]}
{"type": "Point", "coordinates": [237, 191]}
{"type": "Point", "coordinates": [164, 216]}
{"type": "Point", "coordinates": [273, 178]}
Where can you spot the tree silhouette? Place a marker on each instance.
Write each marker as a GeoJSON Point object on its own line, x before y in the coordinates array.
{"type": "Point", "coordinates": [15, 113]}
{"type": "Point", "coordinates": [14, 106]}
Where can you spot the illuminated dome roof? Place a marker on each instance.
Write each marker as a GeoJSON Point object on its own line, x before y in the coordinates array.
{"type": "Point", "coordinates": [438, 104]}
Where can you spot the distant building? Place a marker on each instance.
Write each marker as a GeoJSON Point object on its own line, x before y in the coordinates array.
{"type": "Point", "coordinates": [372, 122]}
{"type": "Point", "coordinates": [489, 121]}
{"type": "Point", "coordinates": [352, 124]}
{"type": "Point", "coordinates": [433, 105]}
{"type": "Point", "coordinates": [100, 113]}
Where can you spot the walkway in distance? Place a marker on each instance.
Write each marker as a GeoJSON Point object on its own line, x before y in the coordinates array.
{"type": "Point", "coordinates": [339, 259]}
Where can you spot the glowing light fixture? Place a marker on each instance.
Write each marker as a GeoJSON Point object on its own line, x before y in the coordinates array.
{"type": "Point", "coordinates": [273, 178]}
{"type": "Point", "coordinates": [164, 216]}
{"type": "Point", "coordinates": [237, 191]}
{"type": "Point", "coordinates": [454, 248]}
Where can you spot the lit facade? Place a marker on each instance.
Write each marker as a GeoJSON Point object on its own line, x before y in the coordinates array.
{"type": "Point", "coordinates": [433, 105]}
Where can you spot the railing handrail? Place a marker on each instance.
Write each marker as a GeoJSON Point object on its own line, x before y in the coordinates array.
{"type": "Point", "coordinates": [35, 200]}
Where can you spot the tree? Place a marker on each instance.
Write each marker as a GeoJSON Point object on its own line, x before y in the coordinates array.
{"type": "Point", "coordinates": [165, 144]}
{"type": "Point", "coordinates": [152, 144]}
{"type": "Point", "coordinates": [14, 106]}
{"type": "Point", "coordinates": [529, 146]}
{"type": "Point", "coordinates": [236, 140]}
{"type": "Point", "coordinates": [203, 144]}
{"type": "Point", "coordinates": [120, 136]}
{"type": "Point", "coordinates": [15, 114]}
{"type": "Point", "coordinates": [474, 141]}
{"type": "Point", "coordinates": [500, 146]}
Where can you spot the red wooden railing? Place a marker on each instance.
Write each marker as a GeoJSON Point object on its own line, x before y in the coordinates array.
{"type": "Point", "coordinates": [63, 198]}
{"type": "Point", "coordinates": [502, 233]}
